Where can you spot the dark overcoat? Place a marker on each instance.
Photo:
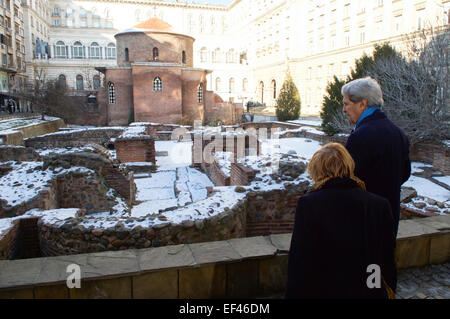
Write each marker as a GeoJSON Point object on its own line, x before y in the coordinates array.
{"type": "Point", "coordinates": [381, 153]}
{"type": "Point", "coordinates": [339, 231]}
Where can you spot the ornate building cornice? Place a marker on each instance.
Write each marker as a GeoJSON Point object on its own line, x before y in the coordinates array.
{"type": "Point", "coordinates": [165, 3]}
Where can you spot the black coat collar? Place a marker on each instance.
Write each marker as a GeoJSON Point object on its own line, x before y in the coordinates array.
{"type": "Point", "coordinates": [377, 115]}
{"type": "Point", "coordinates": [339, 183]}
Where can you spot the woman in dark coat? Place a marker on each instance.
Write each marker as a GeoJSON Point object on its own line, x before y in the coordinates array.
{"type": "Point", "coordinates": [340, 229]}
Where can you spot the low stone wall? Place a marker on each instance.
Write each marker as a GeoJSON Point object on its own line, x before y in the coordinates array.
{"type": "Point", "coordinates": [236, 268]}
{"type": "Point", "coordinates": [322, 138]}
{"type": "Point", "coordinates": [436, 154]}
{"type": "Point", "coordinates": [162, 132]}
{"type": "Point", "coordinates": [10, 242]}
{"type": "Point", "coordinates": [11, 138]}
{"type": "Point", "coordinates": [136, 149]}
{"type": "Point", "coordinates": [83, 190]}
{"type": "Point", "coordinates": [79, 189]}
{"type": "Point", "coordinates": [18, 153]}
{"type": "Point", "coordinates": [17, 135]}
{"type": "Point", "coordinates": [116, 177]}
{"type": "Point", "coordinates": [46, 199]}
{"type": "Point", "coordinates": [41, 128]}
{"type": "Point", "coordinates": [273, 212]}
{"type": "Point", "coordinates": [70, 238]}
{"type": "Point", "coordinates": [270, 125]}
{"type": "Point", "coordinates": [75, 138]}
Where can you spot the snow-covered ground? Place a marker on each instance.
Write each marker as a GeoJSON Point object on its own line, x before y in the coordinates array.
{"type": "Point", "coordinates": [170, 189]}
{"type": "Point", "coordinates": [303, 147]}
{"type": "Point", "coordinates": [27, 179]}
{"type": "Point", "coordinates": [23, 122]}
{"type": "Point", "coordinates": [179, 154]}
{"type": "Point", "coordinates": [426, 188]}
{"type": "Point", "coordinates": [310, 121]}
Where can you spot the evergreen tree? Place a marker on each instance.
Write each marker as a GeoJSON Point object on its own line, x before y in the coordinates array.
{"type": "Point", "coordinates": [288, 102]}
{"type": "Point", "coordinates": [332, 104]}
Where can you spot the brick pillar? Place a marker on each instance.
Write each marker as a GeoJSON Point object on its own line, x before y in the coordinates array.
{"type": "Point", "coordinates": [136, 149]}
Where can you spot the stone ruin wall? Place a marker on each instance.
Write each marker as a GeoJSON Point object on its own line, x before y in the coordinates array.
{"type": "Point", "coordinates": [18, 153]}
{"type": "Point", "coordinates": [70, 238]}
{"type": "Point", "coordinates": [260, 213]}
{"type": "Point", "coordinates": [136, 149]}
{"type": "Point", "coordinates": [78, 189]}
{"type": "Point", "coordinates": [436, 154]}
{"type": "Point", "coordinates": [101, 136]}
{"type": "Point", "coordinates": [9, 243]}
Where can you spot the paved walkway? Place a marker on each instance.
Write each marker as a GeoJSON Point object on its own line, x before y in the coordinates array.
{"type": "Point", "coordinates": [429, 282]}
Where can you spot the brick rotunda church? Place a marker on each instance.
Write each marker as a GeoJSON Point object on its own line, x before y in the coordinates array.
{"type": "Point", "coordinates": [155, 79]}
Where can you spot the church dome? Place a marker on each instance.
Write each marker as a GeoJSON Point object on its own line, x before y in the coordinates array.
{"type": "Point", "coordinates": [154, 24]}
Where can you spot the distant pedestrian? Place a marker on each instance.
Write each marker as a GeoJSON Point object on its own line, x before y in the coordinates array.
{"type": "Point", "coordinates": [340, 231]}
{"type": "Point", "coordinates": [10, 107]}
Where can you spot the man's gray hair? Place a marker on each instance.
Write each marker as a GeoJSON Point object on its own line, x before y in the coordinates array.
{"type": "Point", "coordinates": [365, 88]}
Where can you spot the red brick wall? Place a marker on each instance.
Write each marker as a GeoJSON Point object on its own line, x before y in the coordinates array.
{"type": "Point", "coordinates": [119, 112]}
{"type": "Point", "coordinates": [157, 106]}
{"type": "Point", "coordinates": [140, 47]}
{"type": "Point", "coordinates": [124, 185]}
{"type": "Point", "coordinates": [438, 155]}
{"type": "Point", "coordinates": [267, 227]}
{"type": "Point", "coordinates": [135, 150]}
{"type": "Point", "coordinates": [191, 79]}
{"type": "Point", "coordinates": [272, 212]}
{"type": "Point", "coordinates": [216, 175]}
{"type": "Point", "coordinates": [241, 175]}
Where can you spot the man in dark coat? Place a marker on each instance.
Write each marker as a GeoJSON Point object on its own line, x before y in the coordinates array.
{"type": "Point", "coordinates": [380, 148]}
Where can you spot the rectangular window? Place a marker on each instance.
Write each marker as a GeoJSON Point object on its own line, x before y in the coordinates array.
{"type": "Point", "coordinates": [347, 39]}
{"type": "Point", "coordinates": [420, 19]}
{"type": "Point", "coordinates": [78, 52]}
{"type": "Point", "coordinates": [362, 37]}
{"type": "Point", "coordinates": [398, 25]}
{"type": "Point", "coordinates": [347, 10]}
{"type": "Point", "coordinates": [112, 93]}
{"type": "Point", "coordinates": [362, 6]}
{"type": "Point", "coordinates": [379, 29]}
{"type": "Point", "coordinates": [94, 52]}
{"type": "Point", "coordinates": [110, 52]}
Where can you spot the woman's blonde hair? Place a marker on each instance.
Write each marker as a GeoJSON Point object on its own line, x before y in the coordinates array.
{"type": "Point", "coordinates": [332, 160]}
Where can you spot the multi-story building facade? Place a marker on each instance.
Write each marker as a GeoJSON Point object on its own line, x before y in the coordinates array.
{"type": "Point", "coordinates": [37, 31]}
{"type": "Point", "coordinates": [248, 45]}
{"type": "Point", "coordinates": [12, 49]}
